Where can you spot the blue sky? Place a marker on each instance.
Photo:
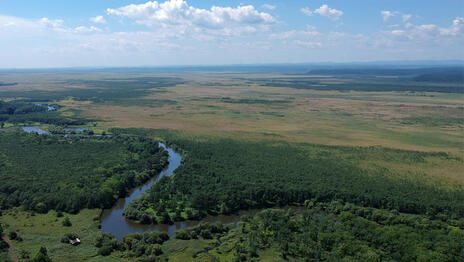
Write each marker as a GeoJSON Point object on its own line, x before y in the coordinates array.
{"type": "Point", "coordinates": [54, 33]}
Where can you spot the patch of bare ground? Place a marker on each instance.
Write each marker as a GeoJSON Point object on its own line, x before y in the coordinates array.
{"type": "Point", "coordinates": [10, 249]}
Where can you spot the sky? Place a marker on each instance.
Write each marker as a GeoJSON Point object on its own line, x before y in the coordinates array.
{"type": "Point", "coordinates": [89, 33]}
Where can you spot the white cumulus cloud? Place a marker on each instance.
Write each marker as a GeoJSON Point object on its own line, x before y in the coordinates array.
{"type": "Point", "coordinates": [324, 10]}
{"type": "Point", "coordinates": [395, 16]}
{"type": "Point", "coordinates": [457, 28]}
{"type": "Point", "coordinates": [181, 15]}
{"type": "Point", "coordinates": [43, 25]}
{"type": "Point", "coordinates": [98, 20]}
{"type": "Point", "coordinates": [386, 15]}
{"type": "Point", "coordinates": [84, 29]}
{"type": "Point", "coordinates": [55, 24]}
{"type": "Point", "coordinates": [268, 7]}
{"type": "Point", "coordinates": [406, 17]}
{"type": "Point", "coordinates": [306, 11]}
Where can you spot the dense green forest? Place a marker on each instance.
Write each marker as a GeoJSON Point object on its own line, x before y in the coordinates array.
{"type": "Point", "coordinates": [320, 231]}
{"type": "Point", "coordinates": [11, 108]}
{"type": "Point", "coordinates": [67, 174]}
{"type": "Point", "coordinates": [344, 232]}
{"type": "Point", "coordinates": [222, 176]}
{"type": "Point", "coordinates": [26, 112]}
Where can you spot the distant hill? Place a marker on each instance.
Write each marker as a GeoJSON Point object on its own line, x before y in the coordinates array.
{"type": "Point", "coordinates": [7, 84]}
{"type": "Point", "coordinates": [445, 78]}
{"type": "Point", "coordinates": [456, 71]}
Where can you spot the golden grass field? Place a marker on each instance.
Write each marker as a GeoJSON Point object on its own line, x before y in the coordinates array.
{"type": "Point", "coordinates": [228, 105]}
{"type": "Point", "coordinates": [323, 117]}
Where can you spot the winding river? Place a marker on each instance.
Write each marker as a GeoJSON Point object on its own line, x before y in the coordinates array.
{"type": "Point", "coordinates": [113, 221]}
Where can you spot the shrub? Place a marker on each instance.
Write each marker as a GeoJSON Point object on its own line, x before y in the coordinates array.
{"type": "Point", "coordinates": [42, 256]}
{"type": "Point", "coordinates": [105, 250]}
{"type": "Point", "coordinates": [13, 235]}
{"type": "Point", "coordinates": [67, 222]}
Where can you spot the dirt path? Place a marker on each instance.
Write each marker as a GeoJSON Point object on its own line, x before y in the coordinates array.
{"type": "Point", "coordinates": [10, 249]}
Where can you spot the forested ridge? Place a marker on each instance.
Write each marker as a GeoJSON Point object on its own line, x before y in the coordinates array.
{"type": "Point", "coordinates": [222, 176]}
{"type": "Point", "coordinates": [70, 173]}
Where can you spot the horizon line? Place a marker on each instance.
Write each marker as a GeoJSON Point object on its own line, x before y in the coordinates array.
{"type": "Point", "coordinates": [374, 62]}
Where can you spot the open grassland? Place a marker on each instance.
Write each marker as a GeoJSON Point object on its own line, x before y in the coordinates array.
{"type": "Point", "coordinates": [256, 107]}
{"type": "Point", "coordinates": [417, 121]}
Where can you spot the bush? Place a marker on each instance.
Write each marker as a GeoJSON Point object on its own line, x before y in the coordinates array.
{"type": "Point", "coordinates": [182, 234]}
{"type": "Point", "coordinates": [67, 222]}
{"type": "Point", "coordinates": [42, 256]}
{"type": "Point", "coordinates": [3, 245]}
{"type": "Point", "coordinates": [13, 235]}
{"type": "Point", "coordinates": [156, 250]}
{"type": "Point", "coordinates": [105, 239]}
{"type": "Point", "coordinates": [105, 250]}
{"type": "Point", "coordinates": [24, 254]}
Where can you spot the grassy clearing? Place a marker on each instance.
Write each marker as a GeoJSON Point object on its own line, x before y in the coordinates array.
{"type": "Point", "coordinates": [188, 250]}
{"type": "Point", "coordinates": [47, 230]}
{"type": "Point", "coordinates": [5, 257]}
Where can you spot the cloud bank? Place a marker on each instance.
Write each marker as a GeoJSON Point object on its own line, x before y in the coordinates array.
{"type": "Point", "coordinates": [179, 14]}
{"type": "Point", "coordinates": [175, 32]}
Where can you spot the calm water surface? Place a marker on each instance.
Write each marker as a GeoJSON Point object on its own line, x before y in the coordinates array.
{"type": "Point", "coordinates": [33, 129]}
{"type": "Point", "coordinates": [112, 220]}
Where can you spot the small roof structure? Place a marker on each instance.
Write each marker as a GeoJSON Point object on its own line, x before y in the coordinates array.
{"type": "Point", "coordinates": [75, 241]}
